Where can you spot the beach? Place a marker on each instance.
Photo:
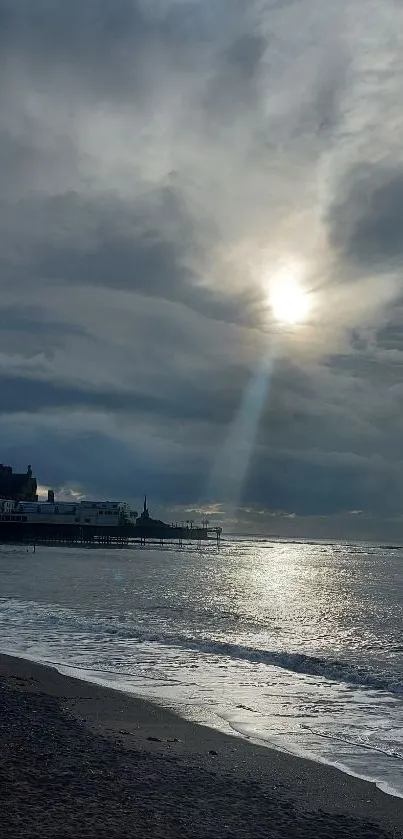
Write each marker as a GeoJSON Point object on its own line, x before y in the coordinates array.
{"type": "Point", "coordinates": [80, 760]}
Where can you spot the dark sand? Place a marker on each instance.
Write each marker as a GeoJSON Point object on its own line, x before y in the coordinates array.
{"type": "Point", "coordinates": [77, 761]}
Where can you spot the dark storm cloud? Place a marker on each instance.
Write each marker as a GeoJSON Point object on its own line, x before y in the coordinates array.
{"type": "Point", "coordinates": [366, 218]}
{"type": "Point", "coordinates": [202, 401]}
{"type": "Point", "coordinates": [390, 337]}
{"type": "Point", "coordinates": [100, 463]}
{"type": "Point", "coordinates": [67, 36]}
{"type": "Point", "coordinates": [245, 54]}
{"type": "Point", "coordinates": [335, 481]}
{"type": "Point", "coordinates": [138, 248]}
{"type": "Point", "coordinates": [116, 48]}
{"type": "Point", "coordinates": [146, 248]}
{"type": "Point", "coordinates": [24, 321]}
{"type": "Point", "coordinates": [330, 89]}
{"type": "Point", "coordinates": [233, 86]}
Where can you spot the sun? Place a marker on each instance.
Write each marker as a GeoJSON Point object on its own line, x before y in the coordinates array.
{"type": "Point", "coordinates": [288, 299]}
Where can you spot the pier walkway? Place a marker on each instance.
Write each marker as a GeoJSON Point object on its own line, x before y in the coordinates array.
{"type": "Point", "coordinates": [50, 534]}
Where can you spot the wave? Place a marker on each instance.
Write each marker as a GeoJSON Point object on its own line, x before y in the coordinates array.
{"type": "Point", "coordinates": [333, 670]}
{"type": "Point", "coordinates": [94, 628]}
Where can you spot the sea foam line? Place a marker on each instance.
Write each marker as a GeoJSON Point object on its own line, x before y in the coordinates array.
{"type": "Point", "coordinates": [300, 663]}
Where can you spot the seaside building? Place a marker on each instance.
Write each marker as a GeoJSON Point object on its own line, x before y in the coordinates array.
{"type": "Point", "coordinates": [17, 486]}
{"type": "Point", "coordinates": [24, 517]}
{"type": "Point", "coordinates": [94, 513]}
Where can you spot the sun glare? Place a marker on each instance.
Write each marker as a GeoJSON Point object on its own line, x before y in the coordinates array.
{"type": "Point", "coordinates": [289, 301]}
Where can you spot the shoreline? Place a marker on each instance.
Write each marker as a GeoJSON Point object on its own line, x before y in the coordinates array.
{"type": "Point", "coordinates": [70, 671]}
{"type": "Point", "coordinates": [84, 760]}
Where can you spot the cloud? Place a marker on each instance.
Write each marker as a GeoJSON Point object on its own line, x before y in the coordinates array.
{"type": "Point", "coordinates": [366, 218]}
{"type": "Point", "coordinates": [158, 162]}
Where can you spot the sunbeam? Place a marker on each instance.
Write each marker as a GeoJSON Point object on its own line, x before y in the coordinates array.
{"type": "Point", "coordinates": [230, 469]}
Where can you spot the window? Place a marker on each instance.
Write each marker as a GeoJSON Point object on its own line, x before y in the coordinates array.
{"type": "Point", "coordinates": [24, 518]}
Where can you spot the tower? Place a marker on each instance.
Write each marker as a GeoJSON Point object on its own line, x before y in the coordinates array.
{"type": "Point", "coordinates": [145, 513]}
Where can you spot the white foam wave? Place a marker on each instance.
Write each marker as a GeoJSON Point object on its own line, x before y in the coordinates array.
{"type": "Point", "coordinates": [63, 620]}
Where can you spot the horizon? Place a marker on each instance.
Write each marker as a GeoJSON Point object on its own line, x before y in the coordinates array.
{"type": "Point", "coordinates": [201, 243]}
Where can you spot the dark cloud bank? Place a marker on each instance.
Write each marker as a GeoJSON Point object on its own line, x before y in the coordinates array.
{"type": "Point", "coordinates": [157, 159]}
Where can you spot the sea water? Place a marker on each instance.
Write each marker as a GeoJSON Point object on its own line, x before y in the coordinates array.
{"type": "Point", "coordinates": [295, 645]}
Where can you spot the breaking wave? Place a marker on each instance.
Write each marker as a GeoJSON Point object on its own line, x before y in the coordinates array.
{"type": "Point", "coordinates": [307, 665]}
{"type": "Point", "coordinates": [45, 622]}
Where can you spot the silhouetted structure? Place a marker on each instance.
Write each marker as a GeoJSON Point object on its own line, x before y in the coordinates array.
{"type": "Point", "coordinates": [149, 529]}
{"type": "Point", "coordinates": [145, 521]}
{"type": "Point", "coordinates": [24, 519]}
{"type": "Point", "coordinates": [145, 514]}
{"type": "Point", "coordinates": [17, 486]}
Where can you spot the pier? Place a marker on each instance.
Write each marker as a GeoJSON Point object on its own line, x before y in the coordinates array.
{"type": "Point", "coordinates": [90, 535]}
{"type": "Point", "coordinates": [26, 519]}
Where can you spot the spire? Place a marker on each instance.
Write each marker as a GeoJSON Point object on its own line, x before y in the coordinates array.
{"type": "Point", "coordinates": [145, 513]}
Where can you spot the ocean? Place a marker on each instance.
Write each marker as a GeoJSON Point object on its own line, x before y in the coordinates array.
{"type": "Point", "coordinates": [295, 645]}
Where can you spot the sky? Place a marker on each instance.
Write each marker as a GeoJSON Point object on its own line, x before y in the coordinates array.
{"type": "Point", "coordinates": [162, 163]}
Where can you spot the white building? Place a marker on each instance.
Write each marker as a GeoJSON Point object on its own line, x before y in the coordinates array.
{"type": "Point", "coordinates": [95, 513]}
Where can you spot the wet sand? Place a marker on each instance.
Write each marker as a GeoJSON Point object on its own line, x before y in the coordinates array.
{"type": "Point", "coordinates": [79, 760]}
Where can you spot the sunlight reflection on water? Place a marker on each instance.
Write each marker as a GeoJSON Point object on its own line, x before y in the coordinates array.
{"type": "Point", "coordinates": [295, 645]}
